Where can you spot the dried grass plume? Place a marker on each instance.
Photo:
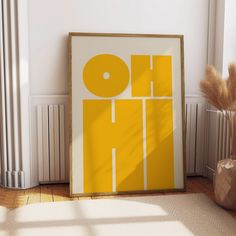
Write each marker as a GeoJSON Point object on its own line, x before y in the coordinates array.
{"type": "Point", "coordinates": [219, 92]}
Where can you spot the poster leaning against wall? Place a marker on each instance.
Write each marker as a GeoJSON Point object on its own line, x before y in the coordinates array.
{"type": "Point", "coordinates": [127, 113]}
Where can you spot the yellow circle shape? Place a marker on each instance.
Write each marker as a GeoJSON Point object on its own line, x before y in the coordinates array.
{"type": "Point", "coordinates": [106, 75]}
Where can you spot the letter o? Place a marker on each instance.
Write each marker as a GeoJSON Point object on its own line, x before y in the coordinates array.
{"type": "Point", "coordinates": [106, 75]}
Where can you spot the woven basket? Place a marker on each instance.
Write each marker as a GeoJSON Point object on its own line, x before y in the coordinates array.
{"type": "Point", "coordinates": [225, 183]}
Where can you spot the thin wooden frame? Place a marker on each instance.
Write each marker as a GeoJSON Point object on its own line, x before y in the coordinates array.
{"type": "Point", "coordinates": [129, 193]}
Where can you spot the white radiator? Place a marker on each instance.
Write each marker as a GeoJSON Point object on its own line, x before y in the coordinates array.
{"type": "Point", "coordinates": [50, 138]}
{"type": "Point", "coordinates": [223, 142]}
{"type": "Point", "coordinates": [51, 142]}
{"type": "Point", "coordinates": [195, 118]}
{"type": "Point", "coordinates": [218, 140]}
{"type": "Point", "coordinates": [11, 158]}
{"type": "Point", "coordinates": [49, 131]}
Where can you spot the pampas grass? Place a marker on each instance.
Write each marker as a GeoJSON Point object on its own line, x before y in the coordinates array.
{"type": "Point", "coordinates": [231, 85]}
{"type": "Point", "coordinates": [219, 92]}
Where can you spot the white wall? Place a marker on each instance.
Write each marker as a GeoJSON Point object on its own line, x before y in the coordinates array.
{"type": "Point", "coordinates": [219, 34]}
{"type": "Point", "coordinates": [229, 47]}
{"type": "Point", "coordinates": [225, 42]}
{"type": "Point", "coordinates": [51, 20]}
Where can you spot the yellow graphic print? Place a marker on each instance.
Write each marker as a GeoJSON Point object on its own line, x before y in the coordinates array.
{"type": "Point", "coordinates": [101, 135]}
{"type": "Point", "coordinates": [160, 75]}
{"type": "Point", "coordinates": [128, 143]}
{"type": "Point", "coordinates": [98, 67]}
{"type": "Point", "coordinates": [160, 154]}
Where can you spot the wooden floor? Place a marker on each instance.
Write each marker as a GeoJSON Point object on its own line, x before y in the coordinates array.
{"type": "Point", "coordinates": [60, 192]}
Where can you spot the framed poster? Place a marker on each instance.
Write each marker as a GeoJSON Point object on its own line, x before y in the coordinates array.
{"type": "Point", "coordinates": [127, 113]}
